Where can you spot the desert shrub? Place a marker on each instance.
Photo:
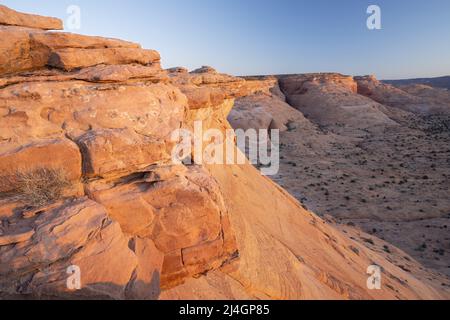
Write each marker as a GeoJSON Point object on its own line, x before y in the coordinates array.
{"type": "Point", "coordinates": [41, 186]}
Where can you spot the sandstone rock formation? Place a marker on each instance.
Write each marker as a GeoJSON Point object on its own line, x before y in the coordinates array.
{"type": "Point", "coordinates": [137, 225]}
{"type": "Point", "coordinates": [339, 105]}
{"type": "Point", "coordinates": [264, 109]}
{"type": "Point", "coordinates": [384, 170]}
{"type": "Point", "coordinates": [30, 48]}
{"type": "Point", "coordinates": [102, 111]}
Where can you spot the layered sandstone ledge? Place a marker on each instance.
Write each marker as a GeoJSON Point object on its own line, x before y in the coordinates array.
{"type": "Point", "coordinates": [11, 17]}
{"type": "Point", "coordinates": [101, 112]}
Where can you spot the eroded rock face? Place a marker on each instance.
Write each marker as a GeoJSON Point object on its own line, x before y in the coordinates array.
{"type": "Point", "coordinates": [102, 111]}
{"type": "Point", "coordinates": [15, 53]}
{"type": "Point", "coordinates": [181, 210]}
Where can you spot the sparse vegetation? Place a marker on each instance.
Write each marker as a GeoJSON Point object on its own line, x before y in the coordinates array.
{"type": "Point", "coordinates": [41, 186]}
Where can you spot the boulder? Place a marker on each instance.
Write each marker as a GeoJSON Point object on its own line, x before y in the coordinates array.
{"type": "Point", "coordinates": [108, 151]}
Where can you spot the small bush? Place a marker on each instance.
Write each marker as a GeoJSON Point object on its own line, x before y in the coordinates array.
{"type": "Point", "coordinates": [41, 186]}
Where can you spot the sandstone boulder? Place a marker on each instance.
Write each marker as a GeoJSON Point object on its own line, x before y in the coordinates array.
{"type": "Point", "coordinates": [116, 151]}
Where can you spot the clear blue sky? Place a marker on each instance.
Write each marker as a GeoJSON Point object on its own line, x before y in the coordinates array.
{"type": "Point", "coordinates": [244, 37]}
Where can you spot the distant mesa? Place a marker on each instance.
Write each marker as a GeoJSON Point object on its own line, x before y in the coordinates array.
{"type": "Point", "coordinates": [439, 82]}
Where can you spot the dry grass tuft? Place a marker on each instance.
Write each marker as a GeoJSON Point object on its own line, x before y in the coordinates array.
{"type": "Point", "coordinates": [41, 186]}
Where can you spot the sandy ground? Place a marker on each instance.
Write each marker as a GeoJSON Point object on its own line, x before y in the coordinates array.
{"type": "Point", "coordinates": [394, 185]}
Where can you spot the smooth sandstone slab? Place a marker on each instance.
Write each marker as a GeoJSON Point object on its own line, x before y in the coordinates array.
{"type": "Point", "coordinates": [41, 109]}
{"type": "Point", "coordinates": [70, 58]}
{"type": "Point", "coordinates": [96, 74]}
{"type": "Point", "coordinates": [61, 40]}
{"type": "Point", "coordinates": [121, 73]}
{"type": "Point", "coordinates": [13, 18]}
{"type": "Point", "coordinates": [76, 233]}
